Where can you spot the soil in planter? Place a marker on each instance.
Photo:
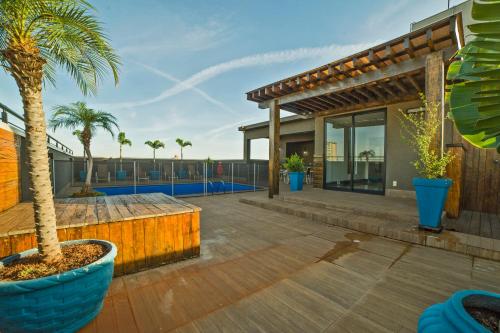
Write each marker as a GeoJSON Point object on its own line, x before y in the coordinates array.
{"type": "Point", "coordinates": [488, 318]}
{"type": "Point", "coordinates": [32, 267]}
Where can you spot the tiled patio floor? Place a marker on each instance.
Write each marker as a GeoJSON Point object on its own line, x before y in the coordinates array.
{"type": "Point", "coordinates": [262, 271]}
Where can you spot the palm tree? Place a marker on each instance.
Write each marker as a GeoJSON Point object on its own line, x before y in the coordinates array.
{"type": "Point", "coordinates": [79, 115]}
{"type": "Point", "coordinates": [183, 144]}
{"type": "Point", "coordinates": [157, 144]}
{"type": "Point", "coordinates": [35, 38]}
{"type": "Point", "coordinates": [122, 140]}
{"type": "Point", "coordinates": [367, 154]}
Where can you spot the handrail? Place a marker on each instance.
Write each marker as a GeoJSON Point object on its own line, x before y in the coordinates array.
{"type": "Point", "coordinates": [50, 139]}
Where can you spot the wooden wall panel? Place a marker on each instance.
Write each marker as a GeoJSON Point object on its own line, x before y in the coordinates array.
{"type": "Point", "coordinates": [141, 243]}
{"type": "Point", "coordinates": [9, 170]}
{"type": "Point", "coordinates": [481, 191]}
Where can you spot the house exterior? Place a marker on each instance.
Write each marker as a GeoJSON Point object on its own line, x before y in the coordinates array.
{"type": "Point", "coordinates": [355, 104]}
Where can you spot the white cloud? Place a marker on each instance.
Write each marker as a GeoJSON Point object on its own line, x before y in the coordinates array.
{"type": "Point", "coordinates": [333, 51]}
{"type": "Point", "coordinates": [200, 92]}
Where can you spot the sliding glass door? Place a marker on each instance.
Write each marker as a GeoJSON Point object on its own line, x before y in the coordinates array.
{"type": "Point", "coordinates": [355, 152]}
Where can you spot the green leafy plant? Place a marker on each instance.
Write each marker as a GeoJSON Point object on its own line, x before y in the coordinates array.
{"type": "Point", "coordinates": [157, 144]}
{"type": "Point", "coordinates": [367, 154]}
{"type": "Point", "coordinates": [183, 144]}
{"type": "Point", "coordinates": [474, 96]}
{"type": "Point", "coordinates": [123, 141]}
{"type": "Point", "coordinates": [420, 130]}
{"type": "Point", "coordinates": [294, 163]}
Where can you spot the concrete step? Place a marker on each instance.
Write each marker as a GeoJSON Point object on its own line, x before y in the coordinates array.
{"type": "Point", "coordinates": [371, 211]}
{"type": "Point", "coordinates": [404, 228]}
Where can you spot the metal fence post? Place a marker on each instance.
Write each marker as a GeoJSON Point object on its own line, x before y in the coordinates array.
{"type": "Point", "coordinates": [135, 179]}
{"type": "Point", "coordinates": [254, 178]}
{"type": "Point", "coordinates": [54, 176]}
{"type": "Point", "coordinates": [232, 177]}
{"type": "Point", "coordinates": [172, 178]}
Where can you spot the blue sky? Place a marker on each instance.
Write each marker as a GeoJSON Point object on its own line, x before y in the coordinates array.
{"type": "Point", "coordinates": [187, 64]}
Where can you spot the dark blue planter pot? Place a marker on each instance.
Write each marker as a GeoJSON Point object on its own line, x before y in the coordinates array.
{"type": "Point", "coordinates": [121, 175]}
{"type": "Point", "coordinates": [431, 197]}
{"type": "Point", "coordinates": [296, 181]}
{"type": "Point", "coordinates": [83, 175]}
{"type": "Point", "coordinates": [154, 175]}
{"type": "Point", "coordinates": [59, 303]}
{"type": "Point", "coordinates": [451, 316]}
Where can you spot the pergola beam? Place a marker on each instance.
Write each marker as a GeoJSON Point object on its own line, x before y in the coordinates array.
{"type": "Point", "coordinates": [399, 69]}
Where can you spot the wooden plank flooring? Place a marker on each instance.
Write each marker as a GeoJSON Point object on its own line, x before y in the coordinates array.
{"type": "Point", "coordinates": [74, 212]}
{"type": "Point", "coordinates": [262, 271]}
{"type": "Point", "coordinates": [475, 223]}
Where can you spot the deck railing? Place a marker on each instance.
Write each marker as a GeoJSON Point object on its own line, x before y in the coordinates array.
{"type": "Point", "coordinates": [51, 141]}
{"type": "Point", "coordinates": [175, 177]}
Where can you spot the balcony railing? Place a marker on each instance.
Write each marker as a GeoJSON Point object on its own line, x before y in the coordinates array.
{"type": "Point", "coordinates": [51, 141]}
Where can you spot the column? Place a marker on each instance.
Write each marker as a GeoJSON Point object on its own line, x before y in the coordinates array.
{"type": "Point", "coordinates": [318, 160]}
{"type": "Point", "coordinates": [274, 146]}
{"type": "Point", "coordinates": [434, 90]}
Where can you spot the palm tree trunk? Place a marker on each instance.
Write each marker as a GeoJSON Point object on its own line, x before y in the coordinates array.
{"type": "Point", "coordinates": [26, 68]}
{"type": "Point", "coordinates": [182, 157]}
{"type": "Point", "coordinates": [121, 166]}
{"type": "Point", "coordinates": [88, 178]}
{"type": "Point", "coordinates": [154, 159]}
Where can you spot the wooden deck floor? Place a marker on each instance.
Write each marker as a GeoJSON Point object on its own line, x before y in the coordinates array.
{"type": "Point", "coordinates": [262, 271]}
{"type": "Point", "coordinates": [475, 223]}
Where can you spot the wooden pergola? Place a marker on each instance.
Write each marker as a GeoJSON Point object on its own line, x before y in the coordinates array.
{"type": "Point", "coordinates": [395, 71]}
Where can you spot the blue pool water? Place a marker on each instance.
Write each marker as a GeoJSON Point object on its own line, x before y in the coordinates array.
{"type": "Point", "coordinates": [179, 189]}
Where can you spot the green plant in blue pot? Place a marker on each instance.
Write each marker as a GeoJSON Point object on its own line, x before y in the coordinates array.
{"type": "Point", "coordinates": [420, 131]}
{"type": "Point", "coordinates": [295, 167]}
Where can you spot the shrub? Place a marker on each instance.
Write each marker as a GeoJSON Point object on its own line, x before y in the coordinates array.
{"type": "Point", "coordinates": [294, 163]}
{"type": "Point", "coordinates": [420, 130]}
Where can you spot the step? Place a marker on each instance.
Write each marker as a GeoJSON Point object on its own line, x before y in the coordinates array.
{"type": "Point", "coordinates": [403, 230]}
{"type": "Point", "coordinates": [381, 213]}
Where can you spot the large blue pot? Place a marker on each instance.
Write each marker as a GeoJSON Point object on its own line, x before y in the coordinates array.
{"type": "Point", "coordinates": [431, 197]}
{"type": "Point", "coordinates": [83, 175]}
{"type": "Point", "coordinates": [296, 181]}
{"type": "Point", "coordinates": [451, 316]}
{"type": "Point", "coordinates": [121, 175]}
{"type": "Point", "coordinates": [154, 175]}
{"type": "Point", "coordinates": [59, 303]}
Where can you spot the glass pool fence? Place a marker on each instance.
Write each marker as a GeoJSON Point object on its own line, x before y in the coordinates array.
{"type": "Point", "coordinates": [172, 177]}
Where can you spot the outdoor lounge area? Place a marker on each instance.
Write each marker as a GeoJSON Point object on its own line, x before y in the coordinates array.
{"type": "Point", "coordinates": [299, 275]}
{"type": "Point", "coordinates": [366, 199]}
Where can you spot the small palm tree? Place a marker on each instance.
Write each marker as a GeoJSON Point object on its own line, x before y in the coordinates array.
{"type": "Point", "coordinates": [35, 38]}
{"type": "Point", "coordinates": [122, 140]}
{"type": "Point", "coordinates": [157, 144]}
{"type": "Point", "coordinates": [367, 154]}
{"type": "Point", "coordinates": [79, 115]}
{"type": "Point", "coordinates": [183, 144]}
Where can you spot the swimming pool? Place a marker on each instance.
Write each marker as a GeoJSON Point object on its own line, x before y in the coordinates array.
{"type": "Point", "coordinates": [179, 189]}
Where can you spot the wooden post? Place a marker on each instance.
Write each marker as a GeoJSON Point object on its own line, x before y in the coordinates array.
{"type": "Point", "coordinates": [434, 90]}
{"type": "Point", "coordinates": [274, 148]}
{"type": "Point", "coordinates": [455, 171]}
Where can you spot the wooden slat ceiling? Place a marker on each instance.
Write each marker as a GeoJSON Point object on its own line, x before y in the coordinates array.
{"type": "Point", "coordinates": [438, 36]}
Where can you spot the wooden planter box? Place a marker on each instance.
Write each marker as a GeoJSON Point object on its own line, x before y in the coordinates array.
{"type": "Point", "coordinates": [148, 229]}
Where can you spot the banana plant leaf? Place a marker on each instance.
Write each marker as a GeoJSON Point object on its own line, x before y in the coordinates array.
{"type": "Point", "coordinates": [474, 79]}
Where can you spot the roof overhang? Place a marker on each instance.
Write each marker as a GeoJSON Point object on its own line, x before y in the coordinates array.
{"type": "Point", "coordinates": [389, 72]}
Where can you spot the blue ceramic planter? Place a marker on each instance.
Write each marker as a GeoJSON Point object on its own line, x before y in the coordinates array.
{"type": "Point", "coordinates": [296, 181]}
{"type": "Point", "coordinates": [431, 197]}
{"type": "Point", "coordinates": [59, 303]}
{"type": "Point", "coordinates": [83, 175]}
{"type": "Point", "coordinates": [451, 316]}
{"type": "Point", "coordinates": [121, 175]}
{"type": "Point", "coordinates": [154, 175]}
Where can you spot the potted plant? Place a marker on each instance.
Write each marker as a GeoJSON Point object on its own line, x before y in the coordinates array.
{"type": "Point", "coordinates": [122, 140]}
{"type": "Point", "coordinates": [466, 311]}
{"type": "Point", "coordinates": [79, 114]}
{"type": "Point", "coordinates": [37, 37]}
{"type": "Point", "coordinates": [295, 167]}
{"type": "Point", "coordinates": [157, 144]}
{"type": "Point", "coordinates": [421, 130]}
